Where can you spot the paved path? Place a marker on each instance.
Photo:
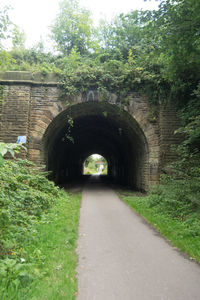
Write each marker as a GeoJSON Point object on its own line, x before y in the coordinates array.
{"type": "Point", "coordinates": [122, 258]}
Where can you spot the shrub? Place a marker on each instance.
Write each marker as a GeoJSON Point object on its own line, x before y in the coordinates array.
{"type": "Point", "coordinates": [25, 194]}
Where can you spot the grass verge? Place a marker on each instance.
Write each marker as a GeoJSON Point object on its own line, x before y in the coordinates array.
{"type": "Point", "coordinates": [184, 235]}
{"type": "Point", "coordinates": [48, 260]}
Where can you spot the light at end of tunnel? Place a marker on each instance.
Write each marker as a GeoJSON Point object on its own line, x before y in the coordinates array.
{"type": "Point", "coordinates": [95, 164]}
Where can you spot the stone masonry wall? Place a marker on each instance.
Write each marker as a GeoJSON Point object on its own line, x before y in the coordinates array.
{"type": "Point", "coordinates": [44, 106]}
{"type": "Point", "coordinates": [140, 110]}
{"type": "Point", "coordinates": [31, 103]}
{"type": "Point", "coordinates": [14, 117]}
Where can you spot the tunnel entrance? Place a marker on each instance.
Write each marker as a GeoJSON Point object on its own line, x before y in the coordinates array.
{"type": "Point", "coordinates": [101, 128]}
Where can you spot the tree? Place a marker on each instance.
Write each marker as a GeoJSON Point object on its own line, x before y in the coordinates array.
{"type": "Point", "coordinates": [174, 34]}
{"type": "Point", "coordinates": [72, 28]}
{"type": "Point", "coordinates": [122, 34]}
{"type": "Point", "coordinates": [18, 37]}
{"type": "Point", "coordinates": [6, 59]}
{"type": "Point", "coordinates": [4, 24]}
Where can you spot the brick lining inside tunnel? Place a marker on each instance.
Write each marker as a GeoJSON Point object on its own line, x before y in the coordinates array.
{"type": "Point", "coordinates": [98, 128]}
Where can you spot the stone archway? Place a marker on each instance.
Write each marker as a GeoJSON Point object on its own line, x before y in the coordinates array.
{"type": "Point", "coordinates": [98, 128]}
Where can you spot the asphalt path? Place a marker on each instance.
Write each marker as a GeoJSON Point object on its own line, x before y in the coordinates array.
{"type": "Point", "coordinates": [122, 258]}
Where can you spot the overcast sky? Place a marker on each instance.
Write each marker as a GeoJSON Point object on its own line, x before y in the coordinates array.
{"type": "Point", "coordinates": [34, 16]}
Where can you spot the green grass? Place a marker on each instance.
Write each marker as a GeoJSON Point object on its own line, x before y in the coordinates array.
{"type": "Point", "coordinates": [58, 242]}
{"type": "Point", "coordinates": [50, 257]}
{"type": "Point", "coordinates": [185, 235]}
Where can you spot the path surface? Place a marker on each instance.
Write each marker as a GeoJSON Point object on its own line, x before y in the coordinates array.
{"type": "Point", "coordinates": [122, 258]}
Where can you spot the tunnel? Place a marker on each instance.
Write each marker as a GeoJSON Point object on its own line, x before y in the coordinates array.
{"type": "Point", "coordinates": [98, 127]}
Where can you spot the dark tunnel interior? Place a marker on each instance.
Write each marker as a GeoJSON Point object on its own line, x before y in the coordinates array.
{"type": "Point", "coordinates": [101, 128]}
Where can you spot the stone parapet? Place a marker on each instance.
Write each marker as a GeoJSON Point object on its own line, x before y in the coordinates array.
{"type": "Point", "coordinates": [24, 77]}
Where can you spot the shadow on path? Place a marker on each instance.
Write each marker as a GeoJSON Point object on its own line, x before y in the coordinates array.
{"type": "Point", "coordinates": [93, 181]}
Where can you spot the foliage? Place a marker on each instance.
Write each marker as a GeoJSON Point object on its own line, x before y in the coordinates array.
{"type": "Point", "coordinates": [11, 148]}
{"type": "Point", "coordinates": [10, 31]}
{"type": "Point", "coordinates": [72, 28]}
{"type": "Point", "coordinates": [122, 34]}
{"type": "Point", "coordinates": [6, 61]}
{"type": "Point", "coordinates": [68, 136]}
{"type": "Point", "coordinates": [112, 76]}
{"type": "Point", "coordinates": [179, 191]}
{"type": "Point", "coordinates": [18, 38]}
{"type": "Point", "coordinates": [153, 52]}
{"type": "Point", "coordinates": [19, 58]}
{"type": "Point", "coordinates": [178, 197]}
{"type": "Point", "coordinates": [34, 60]}
{"type": "Point", "coordinates": [190, 115]}
{"type": "Point", "coordinates": [4, 24]}
{"type": "Point", "coordinates": [25, 193]}
{"type": "Point", "coordinates": [135, 51]}
{"type": "Point", "coordinates": [164, 43]}
{"type": "Point", "coordinates": [38, 230]}
{"type": "Point", "coordinates": [89, 166]}
{"type": "Point", "coordinates": [174, 35]}
{"type": "Point", "coordinates": [25, 196]}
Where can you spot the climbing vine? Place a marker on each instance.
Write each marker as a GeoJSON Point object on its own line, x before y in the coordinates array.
{"type": "Point", "coordinates": [68, 135]}
{"type": "Point", "coordinates": [113, 77]}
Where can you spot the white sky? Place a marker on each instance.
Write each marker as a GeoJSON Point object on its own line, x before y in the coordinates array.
{"type": "Point", "coordinates": [34, 16]}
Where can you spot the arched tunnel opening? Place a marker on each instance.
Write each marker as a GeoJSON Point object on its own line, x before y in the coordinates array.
{"type": "Point", "coordinates": [101, 128]}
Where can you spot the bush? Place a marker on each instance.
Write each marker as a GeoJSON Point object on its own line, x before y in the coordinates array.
{"type": "Point", "coordinates": [179, 193]}
{"type": "Point", "coordinates": [35, 220]}
{"type": "Point", "coordinates": [177, 197]}
{"type": "Point", "coordinates": [25, 194]}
